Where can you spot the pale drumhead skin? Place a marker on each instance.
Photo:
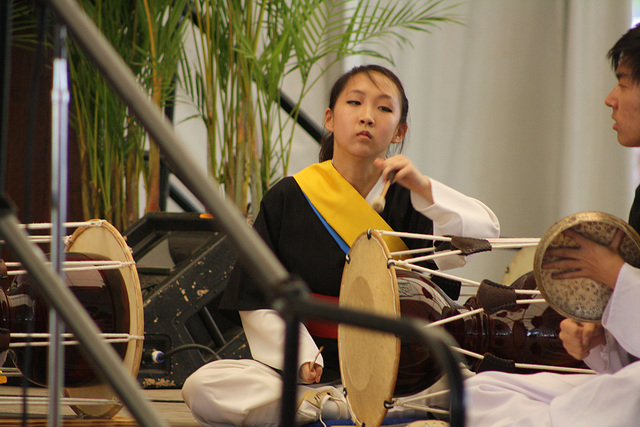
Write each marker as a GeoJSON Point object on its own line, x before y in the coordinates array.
{"type": "Point", "coordinates": [369, 359]}
{"type": "Point", "coordinates": [582, 299]}
{"type": "Point", "coordinates": [520, 264]}
{"type": "Point", "coordinates": [107, 241]}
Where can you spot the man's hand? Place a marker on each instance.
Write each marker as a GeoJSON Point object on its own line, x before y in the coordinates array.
{"type": "Point", "coordinates": [579, 338]}
{"type": "Point", "coordinates": [590, 260]}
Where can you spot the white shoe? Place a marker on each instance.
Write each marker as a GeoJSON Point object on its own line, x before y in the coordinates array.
{"type": "Point", "coordinates": [318, 404]}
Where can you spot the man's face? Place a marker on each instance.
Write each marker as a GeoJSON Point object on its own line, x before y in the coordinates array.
{"type": "Point", "coordinates": [624, 99]}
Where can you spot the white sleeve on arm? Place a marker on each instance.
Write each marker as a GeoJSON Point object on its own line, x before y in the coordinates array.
{"type": "Point", "coordinates": [455, 214]}
{"type": "Point", "coordinates": [265, 332]}
{"type": "Point", "coordinates": [607, 358]}
{"type": "Point", "coordinates": [621, 316]}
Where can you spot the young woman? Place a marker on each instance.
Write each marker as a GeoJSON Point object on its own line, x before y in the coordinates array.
{"type": "Point", "coordinates": [310, 220]}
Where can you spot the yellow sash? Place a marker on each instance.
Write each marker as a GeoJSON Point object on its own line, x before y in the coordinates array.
{"type": "Point", "coordinates": [346, 211]}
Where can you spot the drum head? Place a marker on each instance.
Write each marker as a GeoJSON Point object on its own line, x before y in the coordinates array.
{"type": "Point", "coordinates": [520, 264]}
{"type": "Point", "coordinates": [369, 359]}
{"type": "Point", "coordinates": [582, 299]}
{"type": "Point", "coordinates": [106, 240]}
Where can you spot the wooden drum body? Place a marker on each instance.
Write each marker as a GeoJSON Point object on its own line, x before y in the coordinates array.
{"type": "Point", "coordinates": [113, 299]}
{"type": "Point", "coordinates": [377, 367]}
{"type": "Point", "coordinates": [101, 292]}
{"type": "Point", "coordinates": [526, 333]}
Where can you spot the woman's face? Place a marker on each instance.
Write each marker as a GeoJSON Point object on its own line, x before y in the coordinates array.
{"type": "Point", "coordinates": [366, 117]}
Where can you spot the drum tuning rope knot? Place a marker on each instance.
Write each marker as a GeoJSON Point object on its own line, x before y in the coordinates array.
{"type": "Point", "coordinates": [494, 297]}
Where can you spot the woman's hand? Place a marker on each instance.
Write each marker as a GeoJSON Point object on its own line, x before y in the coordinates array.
{"type": "Point", "coordinates": [407, 175]}
{"type": "Point", "coordinates": [579, 338]}
{"type": "Point", "coordinates": [310, 373]}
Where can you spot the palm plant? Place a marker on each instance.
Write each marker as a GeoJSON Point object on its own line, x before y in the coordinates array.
{"type": "Point", "coordinates": [149, 36]}
{"type": "Point", "coordinates": [244, 50]}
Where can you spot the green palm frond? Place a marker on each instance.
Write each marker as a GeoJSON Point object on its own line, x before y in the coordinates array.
{"type": "Point", "coordinates": [110, 140]}
{"type": "Point", "coordinates": [245, 50]}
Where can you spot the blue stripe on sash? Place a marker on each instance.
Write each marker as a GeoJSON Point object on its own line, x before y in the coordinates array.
{"type": "Point", "coordinates": [343, 245]}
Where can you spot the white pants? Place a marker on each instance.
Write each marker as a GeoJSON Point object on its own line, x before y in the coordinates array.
{"type": "Point", "coordinates": [245, 392]}
{"type": "Point", "coordinates": [498, 399]}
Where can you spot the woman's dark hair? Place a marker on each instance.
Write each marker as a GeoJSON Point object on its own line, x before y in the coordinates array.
{"type": "Point", "coordinates": [626, 51]}
{"type": "Point", "coordinates": [326, 146]}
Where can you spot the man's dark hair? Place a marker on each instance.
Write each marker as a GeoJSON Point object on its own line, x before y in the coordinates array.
{"type": "Point", "coordinates": [626, 52]}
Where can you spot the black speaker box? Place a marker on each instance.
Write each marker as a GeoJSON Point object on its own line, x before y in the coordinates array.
{"type": "Point", "coordinates": [184, 263]}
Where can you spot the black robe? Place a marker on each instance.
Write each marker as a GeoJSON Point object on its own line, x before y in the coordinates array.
{"type": "Point", "coordinates": [298, 238]}
{"type": "Point", "coordinates": [634, 214]}
{"type": "Point", "coordinates": [291, 228]}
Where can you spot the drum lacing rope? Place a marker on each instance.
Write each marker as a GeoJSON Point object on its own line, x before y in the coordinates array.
{"type": "Point", "coordinates": [77, 266]}
{"type": "Point", "coordinates": [48, 225]}
{"type": "Point", "coordinates": [43, 239]}
{"type": "Point", "coordinates": [530, 365]}
{"type": "Point", "coordinates": [478, 311]}
{"type": "Point", "coordinates": [469, 245]}
{"type": "Point", "coordinates": [112, 337]}
{"type": "Point", "coordinates": [410, 266]}
{"type": "Point", "coordinates": [496, 243]}
{"type": "Point", "coordinates": [44, 400]}
{"type": "Point", "coordinates": [468, 282]}
{"type": "Point", "coordinates": [9, 372]}
{"type": "Point", "coordinates": [407, 402]}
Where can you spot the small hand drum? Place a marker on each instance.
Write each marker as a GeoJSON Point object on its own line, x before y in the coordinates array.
{"type": "Point", "coordinates": [582, 299]}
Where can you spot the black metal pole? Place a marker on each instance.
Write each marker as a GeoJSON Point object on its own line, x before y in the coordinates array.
{"type": "Point", "coordinates": [5, 69]}
{"type": "Point", "coordinates": [59, 172]}
{"type": "Point", "coordinates": [290, 371]}
{"type": "Point", "coordinates": [303, 119]}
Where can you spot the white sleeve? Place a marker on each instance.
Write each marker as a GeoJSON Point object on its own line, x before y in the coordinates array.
{"type": "Point", "coordinates": [265, 332]}
{"type": "Point", "coordinates": [608, 358]}
{"type": "Point", "coordinates": [456, 214]}
{"type": "Point", "coordinates": [621, 316]}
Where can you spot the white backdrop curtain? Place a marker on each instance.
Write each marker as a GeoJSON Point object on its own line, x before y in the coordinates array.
{"type": "Point", "coordinates": [509, 108]}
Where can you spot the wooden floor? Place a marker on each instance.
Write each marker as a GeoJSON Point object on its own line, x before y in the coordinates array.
{"type": "Point", "coordinates": [168, 403]}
